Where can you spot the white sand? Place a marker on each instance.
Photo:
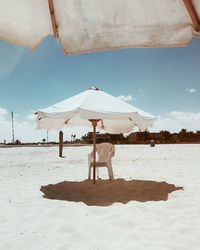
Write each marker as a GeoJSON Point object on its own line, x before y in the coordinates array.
{"type": "Point", "coordinates": [29, 221]}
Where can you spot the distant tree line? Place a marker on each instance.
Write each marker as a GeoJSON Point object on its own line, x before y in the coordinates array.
{"type": "Point", "coordinates": [145, 137]}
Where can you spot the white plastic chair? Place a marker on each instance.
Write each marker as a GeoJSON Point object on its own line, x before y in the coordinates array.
{"type": "Point", "coordinates": [105, 153]}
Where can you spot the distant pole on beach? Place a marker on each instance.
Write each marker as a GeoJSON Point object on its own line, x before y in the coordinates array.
{"type": "Point", "coordinates": [13, 132]}
{"type": "Point", "coordinates": [60, 143]}
{"type": "Point", "coordinates": [47, 136]}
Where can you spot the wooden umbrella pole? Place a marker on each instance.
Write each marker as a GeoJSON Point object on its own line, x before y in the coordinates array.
{"type": "Point", "coordinates": [94, 152]}
{"type": "Point", "coordinates": [94, 124]}
{"type": "Point", "coordinates": [60, 143]}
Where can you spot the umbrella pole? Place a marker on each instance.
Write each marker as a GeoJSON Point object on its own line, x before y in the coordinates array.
{"type": "Point", "coordinates": [94, 124]}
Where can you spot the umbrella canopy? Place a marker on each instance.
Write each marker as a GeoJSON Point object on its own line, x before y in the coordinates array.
{"type": "Point", "coordinates": [94, 25]}
{"type": "Point", "coordinates": [113, 115]}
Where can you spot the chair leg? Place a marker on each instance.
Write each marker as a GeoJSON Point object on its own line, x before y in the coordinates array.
{"type": "Point", "coordinates": [97, 173]}
{"type": "Point", "coordinates": [110, 172]}
{"type": "Point", "coordinates": [89, 173]}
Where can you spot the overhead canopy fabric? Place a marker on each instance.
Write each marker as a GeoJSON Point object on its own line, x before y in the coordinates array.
{"type": "Point", "coordinates": [94, 25]}
{"type": "Point", "coordinates": [115, 115]}
{"type": "Point", "coordinates": [24, 22]}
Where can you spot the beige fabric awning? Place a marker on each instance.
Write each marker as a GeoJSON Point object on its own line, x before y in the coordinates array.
{"type": "Point", "coordinates": [95, 25]}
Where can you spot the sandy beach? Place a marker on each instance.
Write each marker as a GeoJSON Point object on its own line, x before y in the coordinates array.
{"type": "Point", "coordinates": [153, 204]}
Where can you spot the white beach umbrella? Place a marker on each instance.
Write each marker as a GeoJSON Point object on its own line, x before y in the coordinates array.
{"type": "Point", "coordinates": [96, 108]}
{"type": "Point", "coordinates": [94, 25]}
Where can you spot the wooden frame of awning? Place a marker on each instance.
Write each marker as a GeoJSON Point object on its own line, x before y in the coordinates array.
{"type": "Point", "coordinates": [53, 18]}
{"type": "Point", "coordinates": [193, 14]}
{"type": "Point", "coordinates": [188, 4]}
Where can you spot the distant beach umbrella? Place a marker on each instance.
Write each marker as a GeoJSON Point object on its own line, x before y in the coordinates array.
{"type": "Point", "coordinates": [95, 25]}
{"type": "Point", "coordinates": [95, 108]}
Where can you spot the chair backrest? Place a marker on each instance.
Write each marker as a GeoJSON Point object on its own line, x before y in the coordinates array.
{"type": "Point", "coordinates": [105, 151]}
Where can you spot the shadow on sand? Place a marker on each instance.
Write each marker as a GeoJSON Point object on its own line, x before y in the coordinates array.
{"type": "Point", "coordinates": [106, 192]}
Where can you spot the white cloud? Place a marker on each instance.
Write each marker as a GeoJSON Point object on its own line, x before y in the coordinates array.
{"type": "Point", "coordinates": [31, 117]}
{"type": "Point", "coordinates": [125, 98]}
{"type": "Point", "coordinates": [176, 120]}
{"type": "Point", "coordinates": [191, 90]}
{"type": "Point", "coordinates": [3, 112]}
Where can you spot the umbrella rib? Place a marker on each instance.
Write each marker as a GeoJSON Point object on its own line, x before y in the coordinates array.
{"type": "Point", "coordinates": [193, 14]}
{"type": "Point", "coordinates": [53, 18]}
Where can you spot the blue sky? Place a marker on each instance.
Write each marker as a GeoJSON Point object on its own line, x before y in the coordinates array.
{"type": "Point", "coordinates": [158, 80]}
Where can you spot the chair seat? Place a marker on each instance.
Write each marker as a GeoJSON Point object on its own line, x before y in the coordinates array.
{"type": "Point", "coordinates": [98, 164]}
